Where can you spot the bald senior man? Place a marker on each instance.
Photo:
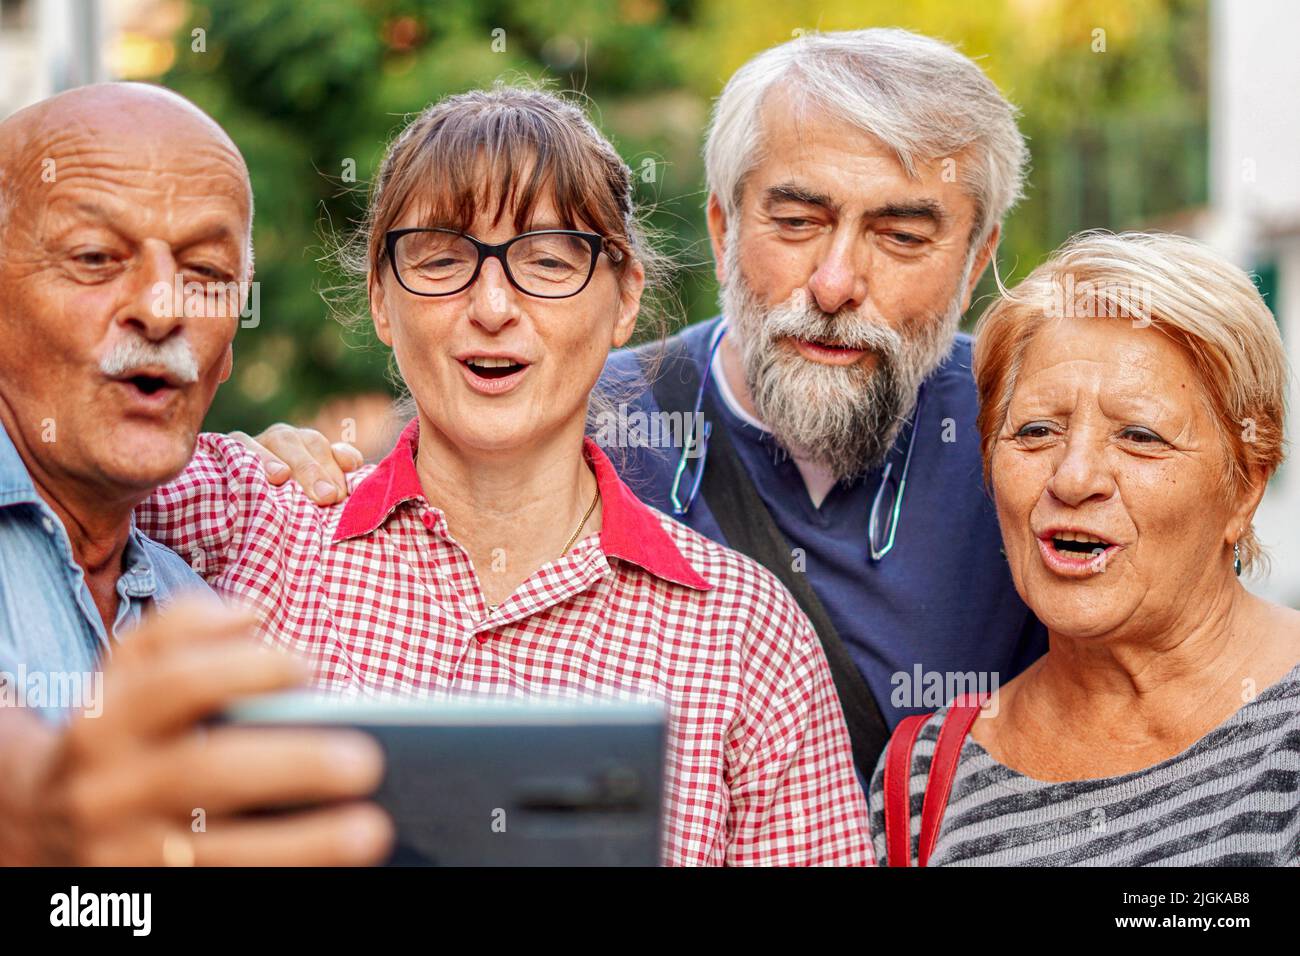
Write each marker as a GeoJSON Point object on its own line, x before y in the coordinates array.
{"type": "Point", "coordinates": [108, 194]}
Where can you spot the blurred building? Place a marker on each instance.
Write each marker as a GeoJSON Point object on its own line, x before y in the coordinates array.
{"type": "Point", "coordinates": [47, 46]}
{"type": "Point", "coordinates": [1254, 216]}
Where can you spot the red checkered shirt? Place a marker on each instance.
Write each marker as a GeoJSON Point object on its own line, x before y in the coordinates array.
{"type": "Point", "coordinates": [381, 599]}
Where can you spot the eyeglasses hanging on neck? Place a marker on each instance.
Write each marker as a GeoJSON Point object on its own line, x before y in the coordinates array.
{"type": "Point", "coordinates": [886, 506]}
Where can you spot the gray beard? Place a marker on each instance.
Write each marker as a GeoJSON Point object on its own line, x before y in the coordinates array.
{"type": "Point", "coordinates": [843, 417]}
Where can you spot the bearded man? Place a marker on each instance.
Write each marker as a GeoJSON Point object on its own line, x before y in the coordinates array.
{"type": "Point", "coordinates": [857, 186]}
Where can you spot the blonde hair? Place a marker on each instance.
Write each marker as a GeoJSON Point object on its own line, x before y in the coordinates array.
{"type": "Point", "coordinates": [1204, 303]}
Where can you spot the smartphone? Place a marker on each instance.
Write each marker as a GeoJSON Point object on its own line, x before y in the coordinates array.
{"type": "Point", "coordinates": [490, 783]}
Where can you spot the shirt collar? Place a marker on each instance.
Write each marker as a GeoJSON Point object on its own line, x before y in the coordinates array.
{"type": "Point", "coordinates": [630, 529]}
{"type": "Point", "coordinates": [137, 578]}
{"type": "Point", "coordinates": [16, 485]}
{"type": "Point", "coordinates": [393, 481]}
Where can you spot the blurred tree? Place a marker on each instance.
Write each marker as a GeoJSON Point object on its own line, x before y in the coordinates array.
{"type": "Point", "coordinates": [311, 92]}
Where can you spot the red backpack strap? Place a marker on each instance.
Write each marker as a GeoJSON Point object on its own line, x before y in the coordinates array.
{"type": "Point", "coordinates": [898, 784]}
{"type": "Point", "coordinates": [943, 767]}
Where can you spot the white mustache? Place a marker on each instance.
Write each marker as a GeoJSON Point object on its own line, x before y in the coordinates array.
{"type": "Point", "coordinates": [847, 329]}
{"type": "Point", "coordinates": [173, 357]}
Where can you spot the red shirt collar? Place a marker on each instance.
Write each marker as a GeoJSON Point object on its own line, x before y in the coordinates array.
{"type": "Point", "coordinates": [630, 529]}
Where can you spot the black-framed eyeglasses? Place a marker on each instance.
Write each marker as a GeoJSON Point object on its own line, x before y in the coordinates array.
{"type": "Point", "coordinates": [546, 263]}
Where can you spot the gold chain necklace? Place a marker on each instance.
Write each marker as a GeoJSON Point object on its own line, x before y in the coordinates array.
{"type": "Point", "coordinates": [595, 499]}
{"type": "Point", "coordinates": [591, 508]}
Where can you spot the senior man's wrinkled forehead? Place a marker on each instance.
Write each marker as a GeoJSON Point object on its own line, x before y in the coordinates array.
{"type": "Point", "coordinates": [117, 146]}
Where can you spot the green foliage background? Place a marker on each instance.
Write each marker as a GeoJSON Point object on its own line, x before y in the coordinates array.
{"type": "Point", "coordinates": [1118, 135]}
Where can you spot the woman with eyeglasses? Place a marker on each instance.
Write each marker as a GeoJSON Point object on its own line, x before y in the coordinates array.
{"type": "Point", "coordinates": [495, 551]}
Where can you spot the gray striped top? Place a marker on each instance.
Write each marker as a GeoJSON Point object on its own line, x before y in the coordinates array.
{"type": "Point", "coordinates": [1230, 799]}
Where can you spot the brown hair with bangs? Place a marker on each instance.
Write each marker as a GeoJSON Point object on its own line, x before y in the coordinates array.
{"type": "Point", "coordinates": [514, 145]}
{"type": "Point", "coordinates": [517, 145]}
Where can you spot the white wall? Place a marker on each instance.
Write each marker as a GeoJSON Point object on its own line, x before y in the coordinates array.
{"type": "Point", "coordinates": [60, 48]}
{"type": "Point", "coordinates": [1255, 213]}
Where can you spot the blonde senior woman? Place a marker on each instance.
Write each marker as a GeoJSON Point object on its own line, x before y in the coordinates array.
{"type": "Point", "coordinates": [1132, 401]}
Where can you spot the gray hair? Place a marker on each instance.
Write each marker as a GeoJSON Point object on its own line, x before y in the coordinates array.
{"type": "Point", "coordinates": [917, 95]}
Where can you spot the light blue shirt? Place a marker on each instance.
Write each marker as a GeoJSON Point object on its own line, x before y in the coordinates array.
{"type": "Point", "coordinates": [52, 638]}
